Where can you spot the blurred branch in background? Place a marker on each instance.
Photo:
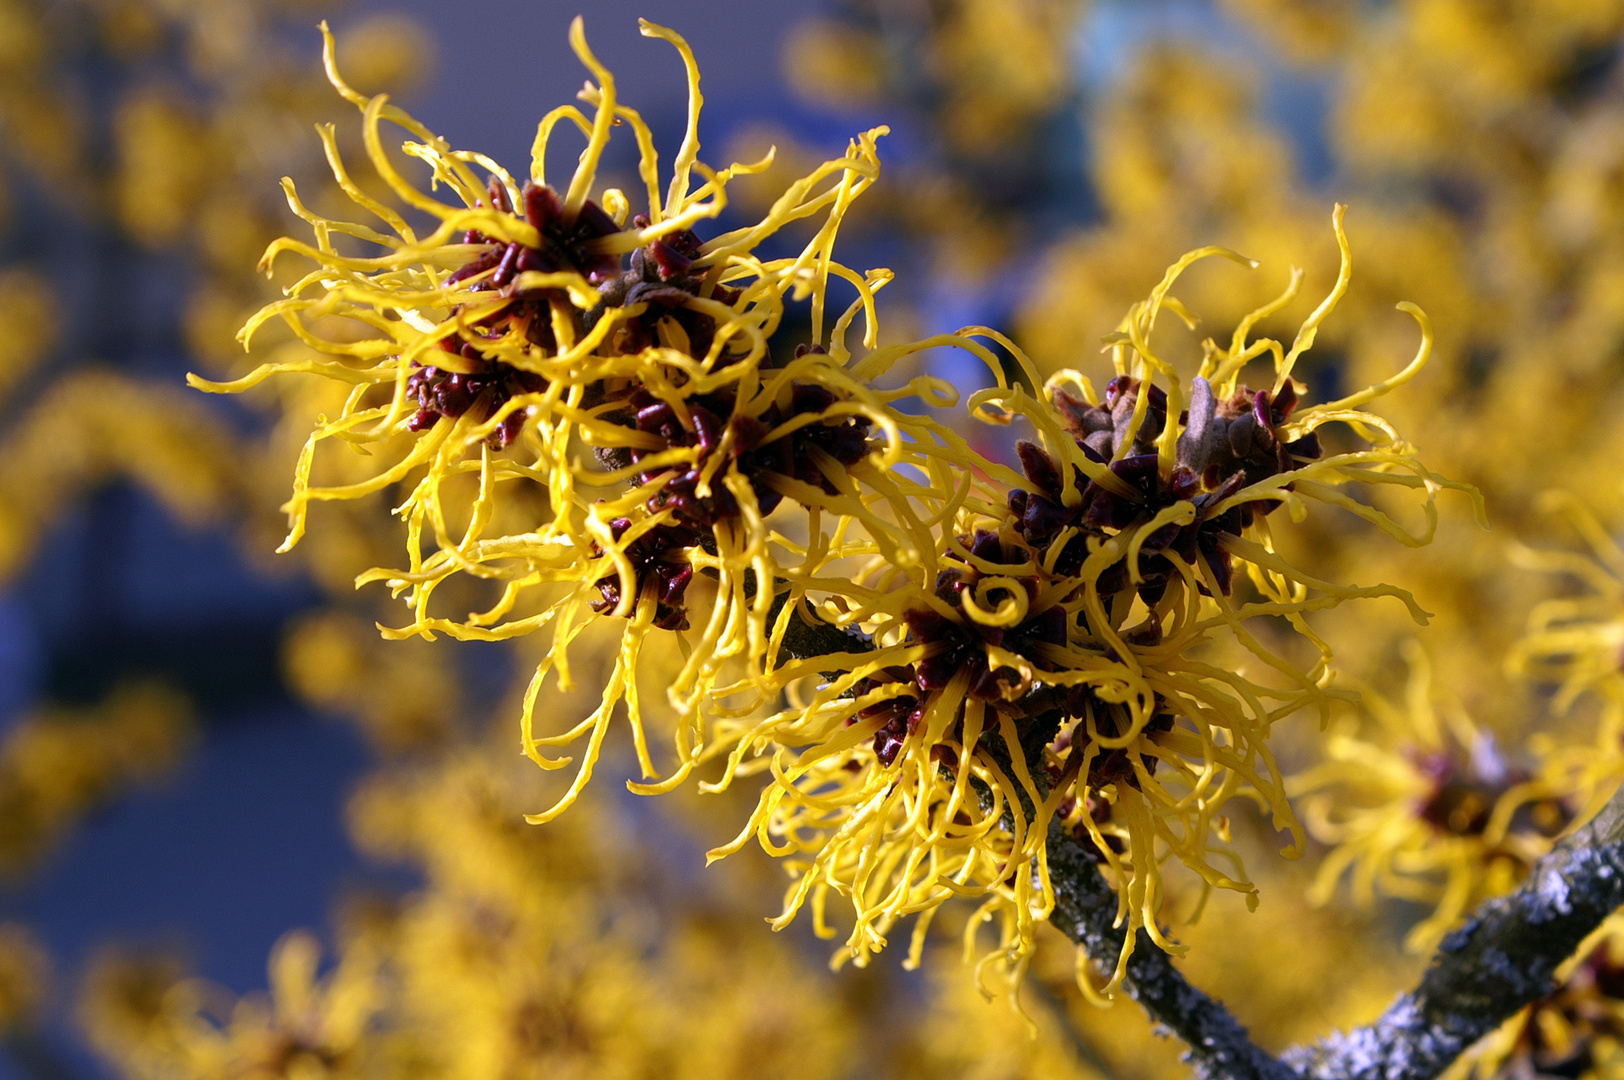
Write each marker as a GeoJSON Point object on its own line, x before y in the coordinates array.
{"type": "Point", "coordinates": [142, 143]}
{"type": "Point", "coordinates": [60, 765]}
{"type": "Point", "coordinates": [986, 92]}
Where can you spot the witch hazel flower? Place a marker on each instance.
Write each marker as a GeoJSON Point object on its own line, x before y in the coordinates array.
{"type": "Point", "coordinates": [934, 663]}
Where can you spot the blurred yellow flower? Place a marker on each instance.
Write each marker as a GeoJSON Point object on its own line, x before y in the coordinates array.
{"type": "Point", "coordinates": [1419, 802]}
{"type": "Point", "coordinates": [1577, 642]}
{"type": "Point", "coordinates": [141, 1012]}
{"type": "Point", "coordinates": [25, 978]}
{"type": "Point", "coordinates": [60, 763]}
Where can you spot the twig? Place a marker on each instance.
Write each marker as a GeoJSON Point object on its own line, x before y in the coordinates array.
{"type": "Point", "coordinates": [1085, 911]}
{"type": "Point", "coordinates": [808, 636]}
{"type": "Point", "coordinates": [1504, 958]}
{"type": "Point", "coordinates": [1085, 908]}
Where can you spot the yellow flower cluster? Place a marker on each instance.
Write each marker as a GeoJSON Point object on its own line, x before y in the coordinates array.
{"type": "Point", "coordinates": [507, 331]}
{"type": "Point", "coordinates": [1061, 626]}
{"type": "Point", "coordinates": [1419, 802]}
{"type": "Point", "coordinates": [1489, 169]}
{"type": "Point", "coordinates": [140, 1011]}
{"type": "Point", "coordinates": [932, 658]}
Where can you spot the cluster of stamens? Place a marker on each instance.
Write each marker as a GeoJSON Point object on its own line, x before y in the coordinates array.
{"type": "Point", "coordinates": [1221, 450]}
{"type": "Point", "coordinates": [660, 278]}
{"type": "Point", "coordinates": [694, 495]}
{"type": "Point", "coordinates": [655, 555]}
{"type": "Point", "coordinates": [716, 424]}
{"type": "Point", "coordinates": [960, 643]}
{"type": "Point", "coordinates": [1464, 788]}
{"type": "Point", "coordinates": [488, 384]}
{"type": "Point", "coordinates": [899, 716]}
{"type": "Point", "coordinates": [476, 380]}
{"type": "Point", "coordinates": [1113, 765]}
{"type": "Point", "coordinates": [745, 438]}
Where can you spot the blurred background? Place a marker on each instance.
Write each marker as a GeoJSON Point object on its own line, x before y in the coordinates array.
{"type": "Point", "coordinates": [240, 835]}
